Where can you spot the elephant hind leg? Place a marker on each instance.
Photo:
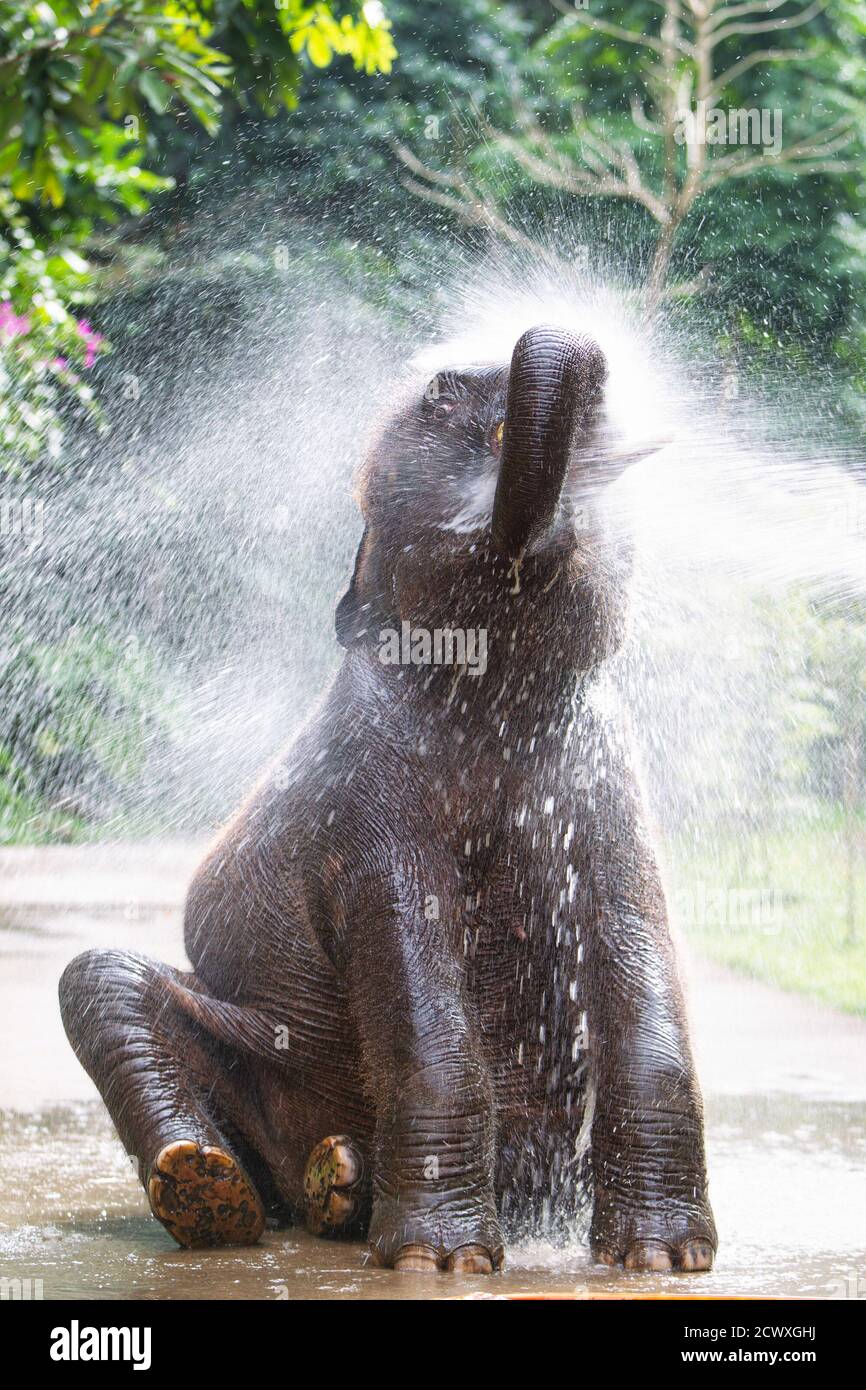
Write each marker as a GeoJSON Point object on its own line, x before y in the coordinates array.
{"type": "Point", "coordinates": [161, 1078]}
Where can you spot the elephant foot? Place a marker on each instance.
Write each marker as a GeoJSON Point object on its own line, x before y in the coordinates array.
{"type": "Point", "coordinates": [333, 1186]}
{"type": "Point", "coordinates": [202, 1196]}
{"type": "Point", "coordinates": [435, 1238]}
{"type": "Point", "coordinates": [468, 1259]}
{"type": "Point", "coordinates": [676, 1236]}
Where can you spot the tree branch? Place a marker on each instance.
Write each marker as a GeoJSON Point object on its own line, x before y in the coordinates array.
{"type": "Point", "coordinates": [424, 171]}
{"type": "Point", "coordinates": [770, 25]}
{"type": "Point", "coordinates": [633, 186]}
{"type": "Point", "coordinates": [617, 32]}
{"type": "Point", "coordinates": [751, 60]}
{"type": "Point", "coordinates": [464, 200]}
{"type": "Point", "coordinates": [730, 12]}
{"type": "Point", "coordinates": [807, 156]}
{"type": "Point", "coordinates": [642, 120]}
{"type": "Point", "coordinates": [597, 152]}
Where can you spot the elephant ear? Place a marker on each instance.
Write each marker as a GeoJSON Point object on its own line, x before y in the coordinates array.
{"type": "Point", "coordinates": [368, 604]}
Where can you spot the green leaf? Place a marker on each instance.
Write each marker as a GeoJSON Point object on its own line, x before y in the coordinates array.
{"type": "Point", "coordinates": [52, 188]}
{"type": "Point", "coordinates": [319, 51]}
{"type": "Point", "coordinates": [155, 91]}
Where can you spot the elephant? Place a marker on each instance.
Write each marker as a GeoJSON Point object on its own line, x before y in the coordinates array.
{"type": "Point", "coordinates": [434, 1000]}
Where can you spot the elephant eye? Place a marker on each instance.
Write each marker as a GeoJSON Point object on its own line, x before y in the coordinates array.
{"type": "Point", "coordinates": [442, 409]}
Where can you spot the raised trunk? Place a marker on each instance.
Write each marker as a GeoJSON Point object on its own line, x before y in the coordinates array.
{"type": "Point", "coordinates": [553, 384]}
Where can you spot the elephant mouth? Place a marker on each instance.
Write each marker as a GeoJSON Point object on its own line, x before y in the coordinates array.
{"type": "Point", "coordinates": [476, 507]}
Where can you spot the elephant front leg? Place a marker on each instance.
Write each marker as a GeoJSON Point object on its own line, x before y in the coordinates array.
{"type": "Point", "coordinates": [433, 1199]}
{"type": "Point", "coordinates": [650, 1204]}
{"type": "Point", "coordinates": [434, 1153]}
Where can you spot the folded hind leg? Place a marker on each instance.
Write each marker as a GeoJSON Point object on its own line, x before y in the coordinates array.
{"type": "Point", "coordinates": [165, 1082]}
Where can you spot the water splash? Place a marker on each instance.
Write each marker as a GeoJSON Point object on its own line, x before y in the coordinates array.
{"type": "Point", "coordinates": [215, 540]}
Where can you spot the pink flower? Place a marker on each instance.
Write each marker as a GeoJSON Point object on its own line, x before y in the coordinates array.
{"type": "Point", "coordinates": [12, 325]}
{"type": "Point", "coordinates": [60, 364]}
{"type": "Point", "coordinates": [92, 341]}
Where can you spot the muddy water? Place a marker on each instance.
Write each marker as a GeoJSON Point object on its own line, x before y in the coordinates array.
{"type": "Point", "coordinates": [785, 1084]}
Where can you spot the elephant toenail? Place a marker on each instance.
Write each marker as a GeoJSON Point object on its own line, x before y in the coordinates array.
{"type": "Point", "coordinates": [416, 1259]}
{"type": "Point", "coordinates": [340, 1207]}
{"type": "Point", "coordinates": [654, 1257]}
{"type": "Point", "coordinates": [697, 1255]}
{"type": "Point", "coordinates": [217, 1159]}
{"type": "Point", "coordinates": [469, 1259]}
{"type": "Point", "coordinates": [605, 1257]}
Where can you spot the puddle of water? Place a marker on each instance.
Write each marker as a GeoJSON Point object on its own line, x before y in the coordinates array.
{"type": "Point", "coordinates": [786, 1182]}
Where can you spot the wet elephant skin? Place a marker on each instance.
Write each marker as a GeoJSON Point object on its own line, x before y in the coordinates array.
{"type": "Point", "coordinates": [437, 926]}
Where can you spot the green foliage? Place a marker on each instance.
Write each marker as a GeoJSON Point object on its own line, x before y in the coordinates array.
{"type": "Point", "coordinates": [332, 162]}
{"type": "Point", "coordinates": [25, 818]}
{"type": "Point", "coordinates": [78, 716]}
{"type": "Point", "coordinates": [316, 32]}
{"type": "Point", "coordinates": [87, 92]}
{"type": "Point", "coordinates": [770, 239]}
{"type": "Point", "coordinates": [778, 908]}
{"type": "Point", "coordinates": [779, 248]}
{"type": "Point", "coordinates": [782, 716]}
{"type": "Point", "coordinates": [767, 828]}
{"type": "Point", "coordinates": [44, 347]}
{"type": "Point", "coordinates": [69, 65]}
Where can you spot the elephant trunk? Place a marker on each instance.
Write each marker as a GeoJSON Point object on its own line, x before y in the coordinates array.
{"type": "Point", "coordinates": [554, 381]}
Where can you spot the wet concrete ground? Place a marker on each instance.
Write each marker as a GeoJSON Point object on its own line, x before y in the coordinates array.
{"type": "Point", "coordinates": [784, 1081]}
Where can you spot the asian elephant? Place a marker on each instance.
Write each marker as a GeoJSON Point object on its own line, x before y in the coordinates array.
{"type": "Point", "coordinates": [433, 995]}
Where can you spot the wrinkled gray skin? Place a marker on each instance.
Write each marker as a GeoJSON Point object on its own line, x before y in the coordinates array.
{"type": "Point", "coordinates": [438, 927]}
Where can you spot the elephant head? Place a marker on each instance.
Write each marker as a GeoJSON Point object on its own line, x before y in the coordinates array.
{"type": "Point", "coordinates": [480, 500]}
